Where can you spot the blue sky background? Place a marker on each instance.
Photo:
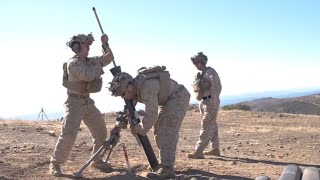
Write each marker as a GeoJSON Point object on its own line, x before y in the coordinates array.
{"type": "Point", "coordinates": [254, 45]}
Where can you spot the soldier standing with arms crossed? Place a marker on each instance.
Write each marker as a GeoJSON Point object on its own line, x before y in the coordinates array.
{"type": "Point", "coordinates": [166, 103]}
{"type": "Point", "coordinates": [207, 87]}
{"type": "Point", "coordinates": [82, 76]}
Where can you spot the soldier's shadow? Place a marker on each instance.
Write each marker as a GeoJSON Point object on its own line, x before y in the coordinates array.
{"type": "Point", "coordinates": [180, 175]}
{"type": "Point", "coordinates": [115, 177]}
{"type": "Point", "coordinates": [203, 175]}
{"type": "Point", "coordinates": [248, 160]}
{"type": "Point", "coordinates": [123, 176]}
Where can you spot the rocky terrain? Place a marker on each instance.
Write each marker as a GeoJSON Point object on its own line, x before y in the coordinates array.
{"type": "Point", "coordinates": [252, 144]}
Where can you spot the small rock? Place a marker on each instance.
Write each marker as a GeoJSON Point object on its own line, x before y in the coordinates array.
{"type": "Point", "coordinates": [39, 128]}
{"type": "Point", "coordinates": [279, 156]}
{"type": "Point", "coordinates": [233, 162]}
{"type": "Point", "coordinates": [52, 133]}
{"type": "Point", "coordinates": [236, 134]}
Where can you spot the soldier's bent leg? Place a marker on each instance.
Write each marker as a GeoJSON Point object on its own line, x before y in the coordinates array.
{"type": "Point", "coordinates": [97, 126]}
{"type": "Point", "coordinates": [69, 131]}
{"type": "Point", "coordinates": [168, 125]}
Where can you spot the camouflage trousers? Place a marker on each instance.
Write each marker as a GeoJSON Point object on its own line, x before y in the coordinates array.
{"type": "Point", "coordinates": [167, 127]}
{"type": "Point", "coordinates": [76, 110]}
{"type": "Point", "coordinates": [209, 128]}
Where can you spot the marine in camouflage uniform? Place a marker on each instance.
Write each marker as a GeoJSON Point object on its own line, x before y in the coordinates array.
{"type": "Point", "coordinates": [166, 103]}
{"type": "Point", "coordinates": [82, 76]}
{"type": "Point", "coordinates": [207, 87]}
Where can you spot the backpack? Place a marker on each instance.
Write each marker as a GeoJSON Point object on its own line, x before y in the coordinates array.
{"type": "Point", "coordinates": [158, 72]}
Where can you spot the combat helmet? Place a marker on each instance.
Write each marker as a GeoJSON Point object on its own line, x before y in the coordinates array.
{"type": "Point", "coordinates": [200, 57]}
{"type": "Point", "coordinates": [119, 83]}
{"type": "Point", "coordinates": [75, 41]}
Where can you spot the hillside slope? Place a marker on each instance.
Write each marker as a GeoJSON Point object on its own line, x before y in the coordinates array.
{"type": "Point", "coordinates": [298, 105]}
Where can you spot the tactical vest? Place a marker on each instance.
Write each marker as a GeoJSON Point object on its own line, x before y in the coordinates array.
{"type": "Point", "coordinates": [200, 85]}
{"type": "Point", "coordinates": [82, 87]}
{"type": "Point", "coordinates": [155, 72]}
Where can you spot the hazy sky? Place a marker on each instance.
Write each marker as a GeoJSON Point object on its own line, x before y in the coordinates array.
{"type": "Point", "coordinates": [253, 45]}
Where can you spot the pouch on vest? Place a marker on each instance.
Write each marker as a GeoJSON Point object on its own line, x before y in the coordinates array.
{"type": "Point", "coordinates": [95, 85]}
{"type": "Point", "coordinates": [200, 85]}
{"type": "Point", "coordinates": [164, 77]}
{"type": "Point", "coordinates": [65, 75]}
{"type": "Point", "coordinates": [197, 91]}
{"type": "Point", "coordinates": [82, 87]}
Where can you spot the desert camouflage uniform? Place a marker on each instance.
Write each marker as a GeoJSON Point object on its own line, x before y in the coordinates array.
{"type": "Point", "coordinates": [166, 118]}
{"type": "Point", "coordinates": [80, 107]}
{"type": "Point", "coordinates": [209, 110]}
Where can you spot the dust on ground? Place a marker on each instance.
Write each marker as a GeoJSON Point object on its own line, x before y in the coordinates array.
{"type": "Point", "coordinates": [252, 144]}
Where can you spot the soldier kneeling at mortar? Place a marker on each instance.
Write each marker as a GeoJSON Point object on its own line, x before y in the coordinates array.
{"type": "Point", "coordinates": [154, 88]}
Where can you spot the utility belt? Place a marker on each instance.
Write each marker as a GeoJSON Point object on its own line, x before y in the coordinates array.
{"type": "Point", "coordinates": [206, 97]}
{"type": "Point", "coordinates": [78, 96]}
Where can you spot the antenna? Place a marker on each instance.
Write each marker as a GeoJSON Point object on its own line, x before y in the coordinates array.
{"type": "Point", "coordinates": [42, 113]}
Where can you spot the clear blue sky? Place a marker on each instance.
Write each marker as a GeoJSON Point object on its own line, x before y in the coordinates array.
{"type": "Point", "coordinates": [254, 45]}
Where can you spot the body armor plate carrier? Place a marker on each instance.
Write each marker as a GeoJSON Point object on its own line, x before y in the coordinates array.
{"type": "Point", "coordinates": [81, 87]}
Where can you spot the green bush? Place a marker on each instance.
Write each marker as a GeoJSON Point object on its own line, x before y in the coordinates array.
{"type": "Point", "coordinates": [242, 107]}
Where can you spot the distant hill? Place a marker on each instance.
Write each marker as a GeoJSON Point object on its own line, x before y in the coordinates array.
{"type": "Point", "coordinates": [233, 99]}
{"type": "Point", "coordinates": [309, 104]}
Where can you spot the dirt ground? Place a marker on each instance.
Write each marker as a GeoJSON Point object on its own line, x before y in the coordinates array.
{"type": "Point", "coordinates": [252, 144]}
